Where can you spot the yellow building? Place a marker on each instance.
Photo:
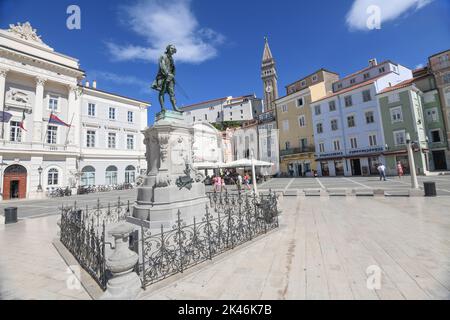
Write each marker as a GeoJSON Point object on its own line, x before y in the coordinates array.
{"type": "Point", "coordinates": [295, 125]}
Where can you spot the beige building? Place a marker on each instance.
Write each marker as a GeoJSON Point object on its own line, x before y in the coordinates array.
{"type": "Point", "coordinates": [295, 125]}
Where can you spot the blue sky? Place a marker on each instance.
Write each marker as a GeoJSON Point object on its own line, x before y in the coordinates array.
{"type": "Point", "coordinates": [220, 43]}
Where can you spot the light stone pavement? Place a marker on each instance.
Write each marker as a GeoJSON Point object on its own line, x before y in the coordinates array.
{"type": "Point", "coordinates": [30, 267]}
{"type": "Point", "coordinates": [46, 207]}
{"type": "Point", "coordinates": [321, 251]}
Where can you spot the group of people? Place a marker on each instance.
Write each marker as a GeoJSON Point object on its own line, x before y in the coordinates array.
{"type": "Point", "coordinates": [240, 181]}
{"type": "Point", "coordinates": [382, 170]}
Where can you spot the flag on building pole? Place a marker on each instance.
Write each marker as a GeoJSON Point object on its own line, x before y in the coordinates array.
{"type": "Point", "coordinates": [21, 125]}
{"type": "Point", "coordinates": [55, 120]}
{"type": "Point", "coordinates": [5, 116]}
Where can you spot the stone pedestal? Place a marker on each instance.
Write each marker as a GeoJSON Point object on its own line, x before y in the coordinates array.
{"type": "Point", "coordinates": [125, 284]}
{"type": "Point", "coordinates": [171, 183]}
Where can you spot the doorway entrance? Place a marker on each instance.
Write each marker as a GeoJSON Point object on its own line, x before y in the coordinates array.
{"type": "Point", "coordinates": [15, 182]}
{"type": "Point", "coordinates": [439, 160]}
{"type": "Point", "coordinates": [356, 167]}
{"type": "Point", "coordinates": [299, 170]}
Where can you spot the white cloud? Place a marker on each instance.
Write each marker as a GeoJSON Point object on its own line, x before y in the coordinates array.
{"type": "Point", "coordinates": [161, 23]}
{"type": "Point", "coordinates": [389, 10]}
{"type": "Point", "coordinates": [419, 66]}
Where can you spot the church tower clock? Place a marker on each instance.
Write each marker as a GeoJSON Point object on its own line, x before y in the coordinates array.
{"type": "Point", "coordinates": [269, 78]}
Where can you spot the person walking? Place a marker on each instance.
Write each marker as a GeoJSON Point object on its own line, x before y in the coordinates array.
{"type": "Point", "coordinates": [216, 183]}
{"type": "Point", "coordinates": [382, 171]}
{"type": "Point", "coordinates": [247, 181]}
{"type": "Point", "coordinates": [223, 185]}
{"type": "Point", "coordinates": [399, 169]}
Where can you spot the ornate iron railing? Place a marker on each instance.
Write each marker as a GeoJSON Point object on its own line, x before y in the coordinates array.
{"type": "Point", "coordinates": [85, 242]}
{"type": "Point", "coordinates": [83, 234]}
{"type": "Point", "coordinates": [230, 220]}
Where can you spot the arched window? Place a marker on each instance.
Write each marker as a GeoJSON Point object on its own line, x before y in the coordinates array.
{"type": "Point", "coordinates": [111, 175]}
{"type": "Point", "coordinates": [88, 176]}
{"type": "Point", "coordinates": [16, 170]}
{"type": "Point", "coordinates": [130, 174]}
{"type": "Point", "coordinates": [53, 176]}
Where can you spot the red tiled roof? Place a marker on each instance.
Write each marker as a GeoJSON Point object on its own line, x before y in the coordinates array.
{"type": "Point", "coordinates": [400, 85]}
{"type": "Point", "coordinates": [403, 84]}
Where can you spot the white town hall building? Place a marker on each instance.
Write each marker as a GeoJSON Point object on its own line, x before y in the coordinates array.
{"type": "Point", "coordinates": [102, 146]}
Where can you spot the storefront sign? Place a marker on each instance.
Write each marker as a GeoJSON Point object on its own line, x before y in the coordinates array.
{"type": "Point", "coordinates": [366, 150]}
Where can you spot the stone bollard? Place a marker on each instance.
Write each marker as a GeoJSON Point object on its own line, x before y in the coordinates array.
{"type": "Point", "coordinates": [125, 284]}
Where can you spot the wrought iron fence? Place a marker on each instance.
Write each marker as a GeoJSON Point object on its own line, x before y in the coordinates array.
{"type": "Point", "coordinates": [83, 234]}
{"type": "Point", "coordinates": [230, 220]}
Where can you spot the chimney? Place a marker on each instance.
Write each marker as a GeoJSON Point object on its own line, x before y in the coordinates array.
{"type": "Point", "coordinates": [94, 84]}
{"type": "Point", "coordinates": [373, 62]}
{"type": "Point", "coordinates": [87, 84]}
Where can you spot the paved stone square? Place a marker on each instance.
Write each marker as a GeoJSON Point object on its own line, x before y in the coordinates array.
{"type": "Point", "coordinates": [372, 182]}
{"type": "Point", "coordinates": [45, 207]}
{"type": "Point", "coordinates": [321, 251]}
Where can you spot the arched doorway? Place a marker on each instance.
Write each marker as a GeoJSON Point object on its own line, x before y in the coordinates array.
{"type": "Point", "coordinates": [15, 182]}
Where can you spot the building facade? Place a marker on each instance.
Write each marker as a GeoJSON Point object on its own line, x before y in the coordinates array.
{"type": "Point", "coordinates": [207, 145]}
{"type": "Point", "coordinates": [439, 64]}
{"type": "Point", "coordinates": [434, 120]}
{"type": "Point", "coordinates": [245, 141]}
{"type": "Point", "coordinates": [220, 110]}
{"type": "Point", "coordinates": [349, 137]}
{"type": "Point", "coordinates": [268, 141]}
{"type": "Point", "coordinates": [402, 113]}
{"type": "Point", "coordinates": [36, 154]}
{"type": "Point", "coordinates": [294, 120]}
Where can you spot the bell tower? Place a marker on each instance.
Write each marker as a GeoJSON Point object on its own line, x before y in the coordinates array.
{"type": "Point", "coordinates": [269, 78]}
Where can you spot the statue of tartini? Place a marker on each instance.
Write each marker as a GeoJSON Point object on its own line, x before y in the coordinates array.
{"type": "Point", "coordinates": [165, 79]}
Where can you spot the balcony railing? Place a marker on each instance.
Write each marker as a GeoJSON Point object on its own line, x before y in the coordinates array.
{"type": "Point", "coordinates": [434, 145]}
{"type": "Point", "coordinates": [17, 145]}
{"type": "Point", "coordinates": [291, 151]}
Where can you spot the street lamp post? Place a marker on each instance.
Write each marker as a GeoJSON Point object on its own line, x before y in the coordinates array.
{"type": "Point", "coordinates": [39, 188]}
{"type": "Point", "coordinates": [412, 165]}
{"type": "Point", "coordinates": [254, 173]}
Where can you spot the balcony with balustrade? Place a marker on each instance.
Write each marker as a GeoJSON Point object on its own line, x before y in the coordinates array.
{"type": "Point", "coordinates": [292, 151]}
{"type": "Point", "coordinates": [8, 146]}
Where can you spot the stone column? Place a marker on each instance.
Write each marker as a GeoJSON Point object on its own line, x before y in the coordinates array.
{"type": "Point", "coordinates": [38, 111]}
{"type": "Point", "coordinates": [74, 116]}
{"type": "Point", "coordinates": [3, 73]}
{"type": "Point", "coordinates": [125, 284]}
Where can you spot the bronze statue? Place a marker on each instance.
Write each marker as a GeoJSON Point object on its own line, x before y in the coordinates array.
{"type": "Point", "coordinates": [165, 79]}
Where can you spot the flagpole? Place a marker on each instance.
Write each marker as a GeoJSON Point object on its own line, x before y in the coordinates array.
{"type": "Point", "coordinates": [3, 121]}
{"type": "Point", "coordinates": [45, 135]}
{"type": "Point", "coordinates": [68, 131]}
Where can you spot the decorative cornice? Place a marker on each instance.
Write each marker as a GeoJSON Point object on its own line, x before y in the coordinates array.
{"type": "Point", "coordinates": [40, 81]}
{"type": "Point", "coordinates": [3, 73]}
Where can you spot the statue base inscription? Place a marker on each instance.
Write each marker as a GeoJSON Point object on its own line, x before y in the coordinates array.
{"type": "Point", "coordinates": [172, 183]}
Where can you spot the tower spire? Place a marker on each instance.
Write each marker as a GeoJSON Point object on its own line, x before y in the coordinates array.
{"type": "Point", "coordinates": [267, 55]}
{"type": "Point", "coordinates": [269, 77]}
